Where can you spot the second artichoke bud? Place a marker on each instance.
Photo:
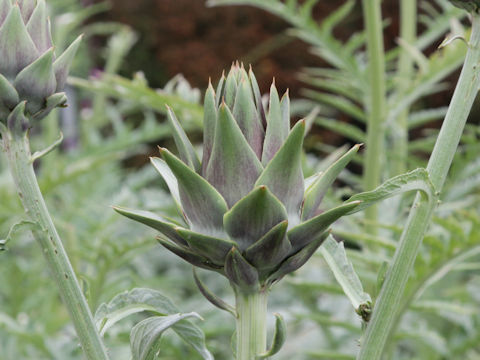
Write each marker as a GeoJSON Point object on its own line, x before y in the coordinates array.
{"type": "Point", "coordinates": [30, 74]}
{"type": "Point", "coordinates": [248, 211]}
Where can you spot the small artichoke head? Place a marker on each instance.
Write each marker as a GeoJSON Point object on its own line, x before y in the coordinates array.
{"type": "Point", "coordinates": [31, 75]}
{"type": "Point", "coordinates": [248, 211]}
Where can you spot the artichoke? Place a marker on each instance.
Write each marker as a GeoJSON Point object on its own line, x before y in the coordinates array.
{"type": "Point", "coordinates": [248, 212]}
{"type": "Point", "coordinates": [30, 74]}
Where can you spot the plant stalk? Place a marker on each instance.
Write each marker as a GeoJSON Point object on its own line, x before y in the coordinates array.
{"type": "Point", "coordinates": [17, 149]}
{"type": "Point", "coordinates": [389, 301]}
{"type": "Point", "coordinates": [251, 324]}
{"type": "Point", "coordinates": [408, 33]}
{"type": "Point", "coordinates": [376, 106]}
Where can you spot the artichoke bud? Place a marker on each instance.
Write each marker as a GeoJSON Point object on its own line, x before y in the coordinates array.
{"type": "Point", "coordinates": [29, 70]}
{"type": "Point", "coordinates": [469, 5]}
{"type": "Point", "coordinates": [248, 211]}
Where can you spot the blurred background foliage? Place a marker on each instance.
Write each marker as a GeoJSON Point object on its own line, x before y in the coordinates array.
{"type": "Point", "coordinates": [139, 56]}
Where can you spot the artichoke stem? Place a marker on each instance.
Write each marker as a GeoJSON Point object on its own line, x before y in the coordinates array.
{"type": "Point", "coordinates": [17, 150]}
{"type": "Point", "coordinates": [251, 324]}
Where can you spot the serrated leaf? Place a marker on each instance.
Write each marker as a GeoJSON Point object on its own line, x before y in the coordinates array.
{"type": "Point", "coordinates": [334, 254]}
{"type": "Point", "coordinates": [414, 180]}
{"type": "Point", "coordinates": [153, 302]}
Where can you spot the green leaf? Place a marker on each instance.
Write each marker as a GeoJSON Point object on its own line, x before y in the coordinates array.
{"type": "Point", "coordinates": [258, 97]}
{"type": "Point", "coordinates": [209, 123]}
{"type": "Point", "coordinates": [161, 166]}
{"type": "Point", "coordinates": [39, 154]}
{"type": "Point", "coordinates": [132, 302]}
{"type": "Point", "coordinates": [36, 82]}
{"type": "Point", "coordinates": [279, 337]}
{"type": "Point", "coordinates": [189, 256]}
{"type": "Point", "coordinates": [253, 216]}
{"type": "Point", "coordinates": [212, 248]}
{"type": "Point", "coordinates": [145, 336]}
{"type": "Point", "coordinates": [52, 102]}
{"type": "Point", "coordinates": [155, 221]}
{"type": "Point", "coordinates": [38, 27]}
{"type": "Point", "coordinates": [343, 128]}
{"type": "Point", "coordinates": [233, 167]}
{"type": "Point", "coordinates": [303, 233]}
{"type": "Point", "coordinates": [203, 205]}
{"type": "Point", "coordinates": [23, 225]}
{"type": "Point", "coordinates": [61, 66]}
{"type": "Point", "coordinates": [155, 303]}
{"type": "Point", "coordinates": [297, 260]}
{"type": "Point", "coordinates": [210, 296]}
{"type": "Point", "coordinates": [334, 254]}
{"type": "Point", "coordinates": [278, 126]}
{"type": "Point", "coordinates": [414, 180]}
{"type": "Point", "coordinates": [5, 6]}
{"type": "Point", "coordinates": [240, 272]}
{"type": "Point", "coordinates": [247, 117]}
{"type": "Point", "coordinates": [315, 193]}
{"type": "Point", "coordinates": [230, 90]}
{"type": "Point", "coordinates": [271, 249]}
{"type": "Point", "coordinates": [340, 103]}
{"type": "Point", "coordinates": [8, 95]}
{"type": "Point", "coordinates": [184, 146]}
{"type": "Point", "coordinates": [284, 176]}
{"type": "Point", "coordinates": [16, 47]}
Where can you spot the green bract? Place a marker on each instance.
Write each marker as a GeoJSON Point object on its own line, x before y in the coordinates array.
{"type": "Point", "coordinates": [249, 213]}
{"type": "Point", "coordinates": [29, 70]}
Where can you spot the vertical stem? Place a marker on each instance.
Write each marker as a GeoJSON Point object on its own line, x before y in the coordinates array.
{"type": "Point", "coordinates": [377, 101]}
{"type": "Point", "coordinates": [408, 32]}
{"type": "Point", "coordinates": [251, 324]}
{"type": "Point", "coordinates": [17, 149]}
{"type": "Point", "coordinates": [390, 298]}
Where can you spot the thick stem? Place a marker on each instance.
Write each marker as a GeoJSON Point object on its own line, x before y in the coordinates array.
{"type": "Point", "coordinates": [408, 32]}
{"type": "Point", "coordinates": [377, 102]}
{"type": "Point", "coordinates": [389, 301]}
{"type": "Point", "coordinates": [17, 149]}
{"type": "Point", "coordinates": [251, 324]}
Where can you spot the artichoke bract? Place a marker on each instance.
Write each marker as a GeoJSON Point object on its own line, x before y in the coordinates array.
{"type": "Point", "coordinates": [30, 74]}
{"type": "Point", "coordinates": [249, 213]}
